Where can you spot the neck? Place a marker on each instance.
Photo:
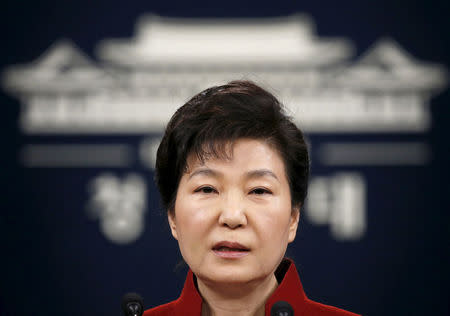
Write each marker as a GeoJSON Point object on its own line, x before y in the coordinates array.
{"type": "Point", "coordinates": [236, 299]}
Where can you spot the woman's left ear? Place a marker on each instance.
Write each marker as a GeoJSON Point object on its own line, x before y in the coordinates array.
{"type": "Point", "coordinates": [172, 224]}
{"type": "Point", "coordinates": [295, 217]}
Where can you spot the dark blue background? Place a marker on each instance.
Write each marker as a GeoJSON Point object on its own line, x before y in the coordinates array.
{"type": "Point", "coordinates": [54, 260]}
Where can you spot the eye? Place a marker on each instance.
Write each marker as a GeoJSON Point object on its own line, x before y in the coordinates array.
{"type": "Point", "coordinates": [260, 191]}
{"type": "Point", "coordinates": [206, 190]}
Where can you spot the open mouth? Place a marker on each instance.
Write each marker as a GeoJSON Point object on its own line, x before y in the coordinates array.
{"type": "Point", "coordinates": [227, 246]}
{"type": "Point", "coordinates": [229, 249]}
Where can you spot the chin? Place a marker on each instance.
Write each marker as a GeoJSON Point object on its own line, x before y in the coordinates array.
{"type": "Point", "coordinates": [229, 276]}
{"type": "Point", "coordinates": [229, 272]}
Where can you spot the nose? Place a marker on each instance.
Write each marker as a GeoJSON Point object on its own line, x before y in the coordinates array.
{"type": "Point", "coordinates": [232, 211]}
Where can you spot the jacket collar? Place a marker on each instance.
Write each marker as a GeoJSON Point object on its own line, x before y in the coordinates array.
{"type": "Point", "coordinates": [290, 290]}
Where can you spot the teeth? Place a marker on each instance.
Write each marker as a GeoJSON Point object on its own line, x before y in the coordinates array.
{"type": "Point", "coordinates": [229, 249]}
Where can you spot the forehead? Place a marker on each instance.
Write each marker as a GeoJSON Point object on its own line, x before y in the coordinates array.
{"type": "Point", "coordinates": [242, 155]}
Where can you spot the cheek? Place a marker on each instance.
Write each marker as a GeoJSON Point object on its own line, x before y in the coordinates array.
{"type": "Point", "coordinates": [273, 223]}
{"type": "Point", "coordinates": [193, 223]}
{"type": "Point", "coordinates": [193, 226]}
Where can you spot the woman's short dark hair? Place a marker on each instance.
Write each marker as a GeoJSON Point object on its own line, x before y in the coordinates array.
{"type": "Point", "coordinates": [220, 115]}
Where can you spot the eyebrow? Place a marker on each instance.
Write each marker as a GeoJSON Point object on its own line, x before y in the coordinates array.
{"type": "Point", "coordinates": [259, 173]}
{"type": "Point", "coordinates": [205, 172]}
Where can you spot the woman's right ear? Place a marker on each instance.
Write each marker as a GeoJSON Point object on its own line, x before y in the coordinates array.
{"type": "Point", "coordinates": [172, 223]}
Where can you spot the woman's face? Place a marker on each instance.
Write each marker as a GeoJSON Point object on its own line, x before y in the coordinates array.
{"type": "Point", "coordinates": [233, 218]}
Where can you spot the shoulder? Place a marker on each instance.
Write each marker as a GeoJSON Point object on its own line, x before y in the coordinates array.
{"type": "Point", "coordinates": [161, 310]}
{"type": "Point", "coordinates": [315, 308]}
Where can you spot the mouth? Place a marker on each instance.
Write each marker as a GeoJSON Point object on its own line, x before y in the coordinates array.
{"type": "Point", "coordinates": [230, 250]}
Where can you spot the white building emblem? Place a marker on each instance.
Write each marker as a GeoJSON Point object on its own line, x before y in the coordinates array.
{"type": "Point", "coordinates": [138, 83]}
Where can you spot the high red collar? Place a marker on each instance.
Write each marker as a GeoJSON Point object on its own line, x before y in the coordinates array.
{"type": "Point", "coordinates": [290, 290]}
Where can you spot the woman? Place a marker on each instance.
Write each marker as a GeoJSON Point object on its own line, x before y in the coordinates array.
{"type": "Point", "coordinates": [232, 170]}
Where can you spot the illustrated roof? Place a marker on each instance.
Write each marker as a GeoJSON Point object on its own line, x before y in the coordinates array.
{"type": "Point", "coordinates": [224, 41]}
{"type": "Point", "coordinates": [62, 67]}
{"type": "Point", "coordinates": [387, 66]}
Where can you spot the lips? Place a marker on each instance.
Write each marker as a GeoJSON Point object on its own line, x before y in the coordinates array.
{"type": "Point", "coordinates": [228, 250]}
{"type": "Point", "coordinates": [230, 246]}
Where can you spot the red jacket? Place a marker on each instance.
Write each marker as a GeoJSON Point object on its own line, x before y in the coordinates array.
{"type": "Point", "coordinates": [290, 289]}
